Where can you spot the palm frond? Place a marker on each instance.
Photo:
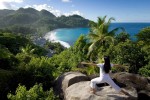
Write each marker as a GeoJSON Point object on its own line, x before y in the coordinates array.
{"type": "Point", "coordinates": [101, 20]}
{"type": "Point", "coordinates": [112, 32]}
{"type": "Point", "coordinates": [92, 24]}
{"type": "Point", "coordinates": [107, 25]}
{"type": "Point", "coordinates": [109, 39]}
{"type": "Point", "coordinates": [91, 48]}
{"type": "Point", "coordinates": [100, 29]}
{"type": "Point", "coordinates": [31, 51]}
{"type": "Point", "coordinates": [104, 18]}
{"type": "Point", "coordinates": [93, 36]}
{"type": "Point", "coordinates": [110, 19]}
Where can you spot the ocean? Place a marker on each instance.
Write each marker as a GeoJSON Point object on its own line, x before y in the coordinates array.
{"type": "Point", "coordinates": [67, 36]}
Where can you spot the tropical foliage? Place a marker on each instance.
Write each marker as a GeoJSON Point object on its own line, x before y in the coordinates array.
{"type": "Point", "coordinates": [34, 93]}
{"type": "Point", "coordinates": [100, 35]}
{"type": "Point", "coordinates": [55, 47]}
{"type": "Point", "coordinates": [143, 35]}
{"type": "Point", "coordinates": [22, 62]}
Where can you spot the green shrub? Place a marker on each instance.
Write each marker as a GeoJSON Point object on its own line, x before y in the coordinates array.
{"type": "Point", "coordinates": [128, 53]}
{"type": "Point", "coordinates": [56, 47]}
{"type": "Point", "coordinates": [13, 42]}
{"type": "Point", "coordinates": [7, 59]}
{"type": "Point", "coordinates": [42, 70]}
{"type": "Point", "coordinates": [120, 69]}
{"type": "Point", "coordinates": [34, 93]}
{"type": "Point", "coordinates": [145, 71]}
{"type": "Point", "coordinates": [5, 78]}
{"type": "Point", "coordinates": [144, 35]}
{"type": "Point", "coordinates": [23, 59]}
{"type": "Point", "coordinates": [40, 66]}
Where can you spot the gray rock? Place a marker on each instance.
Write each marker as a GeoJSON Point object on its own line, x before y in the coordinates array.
{"type": "Point", "coordinates": [148, 78]}
{"type": "Point", "coordinates": [81, 91]}
{"type": "Point", "coordinates": [144, 95]}
{"type": "Point", "coordinates": [148, 87]}
{"type": "Point", "coordinates": [133, 80]}
{"type": "Point", "coordinates": [67, 79]}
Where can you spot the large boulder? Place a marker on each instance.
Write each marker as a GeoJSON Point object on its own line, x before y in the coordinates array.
{"type": "Point", "coordinates": [81, 91]}
{"type": "Point", "coordinates": [133, 80]}
{"type": "Point", "coordinates": [67, 79]}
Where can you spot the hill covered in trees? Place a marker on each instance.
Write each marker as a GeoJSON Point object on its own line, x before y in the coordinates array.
{"type": "Point", "coordinates": [37, 21]}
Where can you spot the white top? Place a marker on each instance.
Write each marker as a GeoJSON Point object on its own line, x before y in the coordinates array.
{"type": "Point", "coordinates": [102, 72]}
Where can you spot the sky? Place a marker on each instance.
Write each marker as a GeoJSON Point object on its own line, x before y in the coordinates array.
{"type": "Point", "coordinates": [121, 10]}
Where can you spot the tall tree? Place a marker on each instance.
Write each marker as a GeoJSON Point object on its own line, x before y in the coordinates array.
{"type": "Point", "coordinates": [100, 35]}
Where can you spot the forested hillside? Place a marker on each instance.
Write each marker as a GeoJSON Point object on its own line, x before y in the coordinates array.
{"type": "Point", "coordinates": [37, 21]}
{"type": "Point", "coordinates": [22, 62]}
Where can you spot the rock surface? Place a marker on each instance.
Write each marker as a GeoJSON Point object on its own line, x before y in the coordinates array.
{"type": "Point", "coordinates": [75, 86]}
{"type": "Point", "coordinates": [81, 91]}
{"type": "Point", "coordinates": [144, 95]}
{"type": "Point", "coordinates": [67, 79]}
{"type": "Point", "coordinates": [133, 80]}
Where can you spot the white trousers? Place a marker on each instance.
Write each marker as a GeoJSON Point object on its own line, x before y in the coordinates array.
{"type": "Point", "coordinates": [104, 79]}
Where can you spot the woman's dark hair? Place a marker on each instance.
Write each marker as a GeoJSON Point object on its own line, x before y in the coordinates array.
{"type": "Point", "coordinates": [107, 66]}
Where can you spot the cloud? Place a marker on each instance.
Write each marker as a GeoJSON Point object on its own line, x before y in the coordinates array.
{"type": "Point", "coordinates": [66, 0]}
{"type": "Point", "coordinates": [56, 12]}
{"type": "Point", "coordinates": [73, 13]}
{"type": "Point", "coordinates": [9, 4]}
{"type": "Point", "coordinates": [10, 1]}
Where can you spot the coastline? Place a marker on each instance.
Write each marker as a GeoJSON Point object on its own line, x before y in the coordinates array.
{"type": "Point", "coordinates": [67, 36]}
{"type": "Point", "coordinates": [51, 36]}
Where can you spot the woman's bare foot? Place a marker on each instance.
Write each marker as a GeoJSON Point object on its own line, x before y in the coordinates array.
{"type": "Point", "coordinates": [92, 90]}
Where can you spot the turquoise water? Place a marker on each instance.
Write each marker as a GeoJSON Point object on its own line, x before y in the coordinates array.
{"type": "Point", "coordinates": [67, 36]}
{"type": "Point", "coordinates": [70, 35]}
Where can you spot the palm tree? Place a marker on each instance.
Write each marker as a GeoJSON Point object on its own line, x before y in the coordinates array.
{"type": "Point", "coordinates": [28, 49]}
{"type": "Point", "coordinates": [100, 35]}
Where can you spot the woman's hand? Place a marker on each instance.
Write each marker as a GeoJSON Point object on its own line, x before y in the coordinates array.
{"type": "Point", "coordinates": [84, 63]}
{"type": "Point", "coordinates": [88, 63]}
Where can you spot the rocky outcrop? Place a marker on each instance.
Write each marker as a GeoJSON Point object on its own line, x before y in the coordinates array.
{"type": "Point", "coordinates": [81, 91]}
{"type": "Point", "coordinates": [67, 79]}
{"type": "Point", "coordinates": [75, 86]}
{"type": "Point", "coordinates": [141, 84]}
{"type": "Point", "coordinates": [133, 80]}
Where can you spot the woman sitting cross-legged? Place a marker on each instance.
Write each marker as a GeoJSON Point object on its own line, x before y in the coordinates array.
{"type": "Point", "coordinates": [104, 76]}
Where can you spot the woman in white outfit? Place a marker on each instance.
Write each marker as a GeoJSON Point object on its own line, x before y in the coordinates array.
{"type": "Point", "coordinates": [104, 75]}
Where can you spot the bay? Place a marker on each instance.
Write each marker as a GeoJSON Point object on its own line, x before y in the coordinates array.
{"type": "Point", "coordinates": [67, 36]}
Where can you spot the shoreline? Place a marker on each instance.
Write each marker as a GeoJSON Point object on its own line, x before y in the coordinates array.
{"type": "Point", "coordinates": [51, 36]}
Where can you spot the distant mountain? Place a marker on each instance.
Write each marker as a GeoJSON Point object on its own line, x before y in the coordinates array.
{"type": "Point", "coordinates": [38, 21]}
{"type": "Point", "coordinates": [5, 12]}
{"type": "Point", "coordinates": [74, 21]}
{"type": "Point", "coordinates": [46, 13]}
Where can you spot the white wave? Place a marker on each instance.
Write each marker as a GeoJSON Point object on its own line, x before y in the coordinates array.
{"type": "Point", "coordinates": [51, 36]}
{"type": "Point", "coordinates": [65, 44]}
